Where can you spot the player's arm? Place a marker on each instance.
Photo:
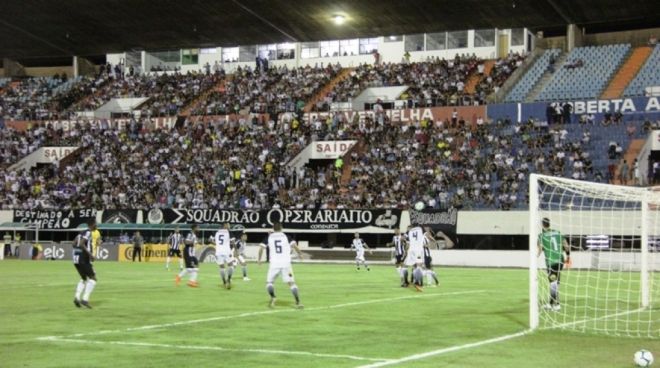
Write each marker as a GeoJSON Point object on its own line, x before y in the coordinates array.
{"type": "Point", "coordinates": [567, 250]}
{"type": "Point", "coordinates": [448, 242]}
{"type": "Point", "coordinates": [539, 248]}
{"type": "Point", "coordinates": [294, 245]}
{"type": "Point", "coordinates": [262, 246]}
{"type": "Point", "coordinates": [91, 256]}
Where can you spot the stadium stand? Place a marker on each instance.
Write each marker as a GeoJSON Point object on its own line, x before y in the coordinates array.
{"type": "Point", "coordinates": [533, 75]}
{"type": "Point", "coordinates": [585, 73]}
{"type": "Point", "coordinates": [649, 75]}
{"type": "Point", "coordinates": [242, 164]}
{"type": "Point", "coordinates": [30, 98]}
{"type": "Point", "coordinates": [437, 82]}
{"type": "Point", "coordinates": [274, 90]}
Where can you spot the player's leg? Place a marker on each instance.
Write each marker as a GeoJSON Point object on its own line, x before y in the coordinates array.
{"type": "Point", "coordinates": [555, 272]}
{"type": "Point", "coordinates": [80, 287]}
{"type": "Point", "coordinates": [192, 282]}
{"type": "Point", "coordinates": [418, 277]}
{"type": "Point", "coordinates": [89, 285]}
{"type": "Point", "coordinates": [178, 254]}
{"type": "Point", "coordinates": [357, 261]}
{"type": "Point", "coordinates": [287, 276]}
{"type": "Point", "coordinates": [168, 259]}
{"type": "Point", "coordinates": [185, 271]}
{"type": "Point", "coordinates": [230, 271]}
{"type": "Point", "coordinates": [222, 261]}
{"type": "Point", "coordinates": [241, 259]}
{"type": "Point", "coordinates": [364, 262]}
{"type": "Point", "coordinates": [270, 288]}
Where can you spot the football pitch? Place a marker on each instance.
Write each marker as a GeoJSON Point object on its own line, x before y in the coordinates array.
{"type": "Point", "coordinates": [475, 318]}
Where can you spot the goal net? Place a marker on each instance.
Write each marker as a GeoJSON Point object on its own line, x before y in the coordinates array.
{"type": "Point", "coordinates": [611, 286]}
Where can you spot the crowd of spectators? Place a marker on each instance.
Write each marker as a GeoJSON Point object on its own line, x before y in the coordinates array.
{"type": "Point", "coordinates": [30, 98]}
{"type": "Point", "coordinates": [500, 72]}
{"type": "Point", "coordinates": [242, 164]}
{"type": "Point", "coordinates": [435, 82]}
{"type": "Point", "coordinates": [167, 92]}
{"type": "Point", "coordinates": [273, 90]}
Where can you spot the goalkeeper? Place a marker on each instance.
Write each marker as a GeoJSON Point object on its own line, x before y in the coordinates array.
{"type": "Point", "coordinates": [553, 245]}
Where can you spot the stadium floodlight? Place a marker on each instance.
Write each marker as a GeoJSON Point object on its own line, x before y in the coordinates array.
{"type": "Point", "coordinates": [338, 19]}
{"type": "Point", "coordinates": [611, 287]}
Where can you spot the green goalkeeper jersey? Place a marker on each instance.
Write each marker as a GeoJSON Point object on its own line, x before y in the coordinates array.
{"type": "Point", "coordinates": [551, 241]}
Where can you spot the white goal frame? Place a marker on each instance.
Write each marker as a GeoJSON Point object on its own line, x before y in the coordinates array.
{"type": "Point", "coordinates": [647, 196]}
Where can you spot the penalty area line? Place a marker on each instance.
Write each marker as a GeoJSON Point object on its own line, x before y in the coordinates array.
{"type": "Point", "coordinates": [450, 349]}
{"type": "Point", "coordinates": [263, 312]}
{"type": "Point", "coordinates": [213, 348]}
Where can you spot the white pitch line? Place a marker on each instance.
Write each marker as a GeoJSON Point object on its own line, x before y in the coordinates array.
{"type": "Point", "coordinates": [445, 350]}
{"type": "Point", "coordinates": [263, 312]}
{"type": "Point", "coordinates": [214, 348]}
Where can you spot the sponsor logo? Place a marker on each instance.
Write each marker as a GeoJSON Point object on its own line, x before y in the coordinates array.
{"type": "Point", "coordinates": [54, 252]}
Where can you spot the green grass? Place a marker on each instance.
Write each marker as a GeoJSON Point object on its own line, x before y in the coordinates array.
{"type": "Point", "coordinates": [361, 314]}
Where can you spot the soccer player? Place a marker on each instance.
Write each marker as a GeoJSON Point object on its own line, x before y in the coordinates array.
{"type": "Point", "coordinates": [414, 259]}
{"type": "Point", "coordinates": [174, 240]}
{"type": "Point", "coordinates": [553, 245]}
{"type": "Point", "coordinates": [399, 242]}
{"type": "Point", "coordinates": [359, 245]}
{"type": "Point", "coordinates": [96, 242]}
{"type": "Point", "coordinates": [431, 276]}
{"type": "Point", "coordinates": [430, 238]}
{"type": "Point", "coordinates": [239, 254]}
{"type": "Point", "coordinates": [191, 262]}
{"type": "Point", "coordinates": [279, 248]}
{"type": "Point", "coordinates": [223, 255]}
{"type": "Point", "coordinates": [82, 259]}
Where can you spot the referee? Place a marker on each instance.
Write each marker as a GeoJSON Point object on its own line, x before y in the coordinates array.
{"type": "Point", "coordinates": [138, 241]}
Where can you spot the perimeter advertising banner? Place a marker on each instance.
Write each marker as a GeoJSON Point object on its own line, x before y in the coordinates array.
{"type": "Point", "coordinates": [55, 219]}
{"type": "Point", "coordinates": [336, 219]}
{"type": "Point", "coordinates": [64, 251]}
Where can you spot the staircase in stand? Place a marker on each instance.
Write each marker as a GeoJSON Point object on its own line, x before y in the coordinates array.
{"type": "Point", "coordinates": [631, 154]}
{"type": "Point", "coordinates": [545, 79]}
{"type": "Point", "coordinates": [473, 80]}
{"type": "Point", "coordinates": [320, 95]}
{"type": "Point", "coordinates": [627, 72]}
{"type": "Point", "coordinates": [219, 86]}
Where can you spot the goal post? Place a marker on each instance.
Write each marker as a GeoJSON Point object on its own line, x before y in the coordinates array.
{"type": "Point", "coordinates": [613, 233]}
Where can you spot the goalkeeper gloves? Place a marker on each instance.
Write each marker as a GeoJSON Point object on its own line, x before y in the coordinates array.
{"type": "Point", "coordinates": [568, 262]}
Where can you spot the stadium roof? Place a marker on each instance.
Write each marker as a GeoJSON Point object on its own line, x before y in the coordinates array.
{"type": "Point", "coordinates": [37, 28]}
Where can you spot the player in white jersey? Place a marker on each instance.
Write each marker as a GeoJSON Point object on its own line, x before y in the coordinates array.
{"type": "Point", "coordinates": [415, 258]}
{"type": "Point", "coordinates": [359, 245]}
{"type": "Point", "coordinates": [223, 255]}
{"type": "Point", "coordinates": [239, 254]}
{"type": "Point", "coordinates": [279, 250]}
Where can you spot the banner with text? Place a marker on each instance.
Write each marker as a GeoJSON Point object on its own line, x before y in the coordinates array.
{"type": "Point", "coordinates": [633, 109]}
{"type": "Point", "coordinates": [55, 219]}
{"type": "Point", "coordinates": [437, 220]}
{"type": "Point", "coordinates": [469, 113]}
{"type": "Point", "coordinates": [336, 219]}
{"type": "Point", "coordinates": [120, 216]}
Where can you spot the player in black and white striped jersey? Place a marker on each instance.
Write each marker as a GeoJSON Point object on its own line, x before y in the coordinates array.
{"type": "Point", "coordinates": [175, 241]}
{"type": "Point", "coordinates": [192, 264]}
{"type": "Point", "coordinates": [239, 254]}
{"type": "Point", "coordinates": [83, 255]}
{"type": "Point", "coordinates": [399, 242]}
